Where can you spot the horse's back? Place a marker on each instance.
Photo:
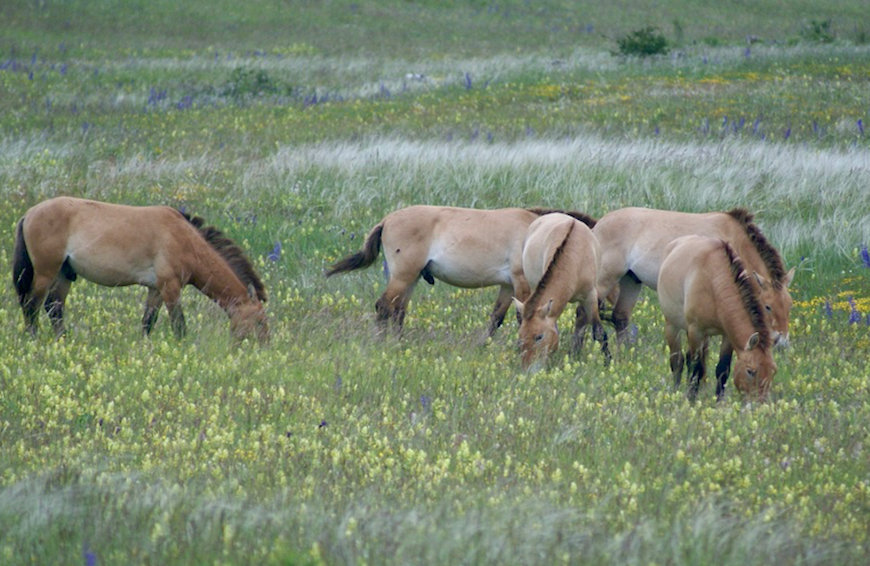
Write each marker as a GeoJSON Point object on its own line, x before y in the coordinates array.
{"type": "Point", "coordinates": [465, 247]}
{"type": "Point", "coordinates": [109, 244]}
{"type": "Point", "coordinates": [635, 239]}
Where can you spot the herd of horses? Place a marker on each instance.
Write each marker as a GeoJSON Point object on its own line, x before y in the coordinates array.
{"type": "Point", "coordinates": [715, 273]}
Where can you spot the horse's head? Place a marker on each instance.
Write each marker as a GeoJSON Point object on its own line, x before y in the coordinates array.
{"type": "Point", "coordinates": [754, 370]}
{"type": "Point", "coordinates": [777, 307]}
{"type": "Point", "coordinates": [248, 319]}
{"type": "Point", "coordinates": [539, 335]}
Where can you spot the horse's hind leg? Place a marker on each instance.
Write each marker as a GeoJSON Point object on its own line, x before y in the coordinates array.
{"type": "Point", "coordinates": [723, 367]}
{"type": "Point", "coordinates": [152, 309]}
{"type": "Point", "coordinates": [629, 291]}
{"type": "Point", "coordinates": [499, 311]}
{"type": "Point", "coordinates": [34, 299]}
{"type": "Point", "coordinates": [392, 305]}
{"type": "Point", "coordinates": [55, 301]}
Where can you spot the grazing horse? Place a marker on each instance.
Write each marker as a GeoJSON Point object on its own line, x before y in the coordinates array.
{"type": "Point", "coordinates": [705, 290]}
{"type": "Point", "coordinates": [117, 245]}
{"type": "Point", "coordinates": [464, 247]}
{"type": "Point", "coordinates": [634, 242]}
{"type": "Point", "coordinates": [560, 260]}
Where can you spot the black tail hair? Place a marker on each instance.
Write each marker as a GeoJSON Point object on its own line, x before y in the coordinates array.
{"type": "Point", "coordinates": [364, 258]}
{"type": "Point", "coordinates": [22, 267]}
{"type": "Point", "coordinates": [581, 216]}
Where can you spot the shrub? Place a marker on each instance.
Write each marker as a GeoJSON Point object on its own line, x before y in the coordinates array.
{"type": "Point", "coordinates": [818, 31]}
{"type": "Point", "coordinates": [643, 42]}
{"type": "Point", "coordinates": [249, 83]}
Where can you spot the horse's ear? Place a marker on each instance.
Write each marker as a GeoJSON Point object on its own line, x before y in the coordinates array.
{"type": "Point", "coordinates": [762, 282]}
{"type": "Point", "coordinates": [545, 310]}
{"type": "Point", "coordinates": [789, 277]}
{"type": "Point", "coordinates": [519, 305]}
{"type": "Point", "coordinates": [752, 342]}
{"type": "Point", "coordinates": [252, 292]}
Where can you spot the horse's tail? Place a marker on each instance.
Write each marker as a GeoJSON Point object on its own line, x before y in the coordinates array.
{"type": "Point", "coordinates": [22, 267]}
{"type": "Point", "coordinates": [361, 259]}
{"type": "Point", "coordinates": [581, 216]}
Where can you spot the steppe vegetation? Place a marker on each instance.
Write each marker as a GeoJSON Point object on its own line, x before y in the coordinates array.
{"type": "Point", "coordinates": [294, 127]}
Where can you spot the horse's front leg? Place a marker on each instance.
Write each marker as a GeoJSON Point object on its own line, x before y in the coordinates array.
{"type": "Point", "coordinates": [152, 309]}
{"type": "Point", "coordinates": [698, 344]}
{"type": "Point", "coordinates": [171, 295]}
{"type": "Point", "coordinates": [723, 367]}
{"type": "Point", "coordinates": [599, 333]}
{"type": "Point", "coordinates": [581, 320]}
{"type": "Point", "coordinates": [677, 359]}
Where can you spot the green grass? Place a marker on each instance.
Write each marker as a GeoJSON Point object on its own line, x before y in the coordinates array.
{"type": "Point", "coordinates": [334, 446]}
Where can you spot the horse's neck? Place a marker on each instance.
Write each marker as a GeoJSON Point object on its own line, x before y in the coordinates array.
{"type": "Point", "coordinates": [735, 319]}
{"type": "Point", "coordinates": [745, 248]}
{"type": "Point", "coordinates": [560, 287]}
{"type": "Point", "coordinates": [211, 274]}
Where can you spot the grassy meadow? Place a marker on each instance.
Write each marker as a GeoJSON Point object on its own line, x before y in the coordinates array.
{"type": "Point", "coordinates": [295, 126]}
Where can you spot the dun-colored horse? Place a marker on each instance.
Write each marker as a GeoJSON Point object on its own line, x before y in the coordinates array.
{"type": "Point", "coordinates": [117, 245]}
{"type": "Point", "coordinates": [561, 257]}
{"type": "Point", "coordinates": [705, 290]}
{"type": "Point", "coordinates": [461, 246]}
{"type": "Point", "coordinates": [634, 242]}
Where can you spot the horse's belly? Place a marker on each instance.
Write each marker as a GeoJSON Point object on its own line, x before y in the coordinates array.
{"type": "Point", "coordinates": [470, 276]}
{"type": "Point", "coordinates": [113, 275]}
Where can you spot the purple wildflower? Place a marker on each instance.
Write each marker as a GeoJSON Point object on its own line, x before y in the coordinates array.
{"type": "Point", "coordinates": [275, 254]}
{"type": "Point", "coordinates": [747, 52]}
{"type": "Point", "coordinates": [426, 403]}
{"type": "Point", "coordinates": [89, 556]}
{"type": "Point", "coordinates": [467, 81]}
{"type": "Point", "coordinates": [323, 424]}
{"type": "Point", "coordinates": [860, 125]}
{"type": "Point", "coordinates": [185, 103]}
{"type": "Point", "coordinates": [854, 315]}
{"type": "Point", "coordinates": [829, 309]}
{"type": "Point", "coordinates": [865, 256]}
{"type": "Point", "coordinates": [787, 133]}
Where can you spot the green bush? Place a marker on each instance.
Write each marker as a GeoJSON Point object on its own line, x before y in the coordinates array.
{"type": "Point", "coordinates": [249, 83]}
{"type": "Point", "coordinates": [818, 31]}
{"type": "Point", "coordinates": [643, 43]}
